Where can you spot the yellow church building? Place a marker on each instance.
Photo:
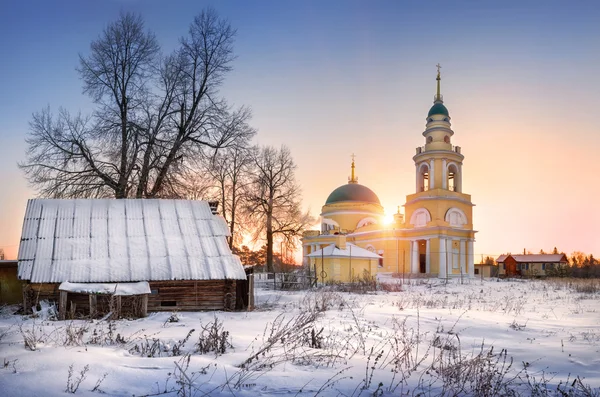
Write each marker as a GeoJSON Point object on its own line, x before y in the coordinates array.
{"type": "Point", "coordinates": [434, 237]}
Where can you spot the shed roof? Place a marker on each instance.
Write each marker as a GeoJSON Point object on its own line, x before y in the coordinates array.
{"type": "Point", "coordinates": [535, 258]}
{"type": "Point", "coordinates": [351, 250]}
{"type": "Point", "coordinates": [106, 240]}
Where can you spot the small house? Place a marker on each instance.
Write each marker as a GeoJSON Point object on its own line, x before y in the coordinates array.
{"type": "Point", "coordinates": [99, 255]}
{"type": "Point", "coordinates": [532, 265]}
{"type": "Point", "coordinates": [342, 261]}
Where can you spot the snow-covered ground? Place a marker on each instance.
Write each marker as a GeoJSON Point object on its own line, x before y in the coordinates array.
{"type": "Point", "coordinates": [478, 338]}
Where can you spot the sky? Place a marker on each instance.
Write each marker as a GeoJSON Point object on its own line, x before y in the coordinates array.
{"type": "Point", "coordinates": [332, 78]}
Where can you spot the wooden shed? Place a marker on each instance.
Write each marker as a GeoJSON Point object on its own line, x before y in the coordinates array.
{"type": "Point", "coordinates": [128, 256]}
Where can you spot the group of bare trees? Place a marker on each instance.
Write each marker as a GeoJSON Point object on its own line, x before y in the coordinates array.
{"type": "Point", "coordinates": [160, 129]}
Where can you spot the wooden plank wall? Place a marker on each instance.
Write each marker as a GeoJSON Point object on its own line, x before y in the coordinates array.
{"type": "Point", "coordinates": [190, 295]}
{"type": "Point", "coordinates": [180, 295]}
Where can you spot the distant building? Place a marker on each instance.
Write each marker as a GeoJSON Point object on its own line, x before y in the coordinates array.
{"type": "Point", "coordinates": [435, 237]}
{"type": "Point", "coordinates": [171, 254]}
{"type": "Point", "coordinates": [529, 265]}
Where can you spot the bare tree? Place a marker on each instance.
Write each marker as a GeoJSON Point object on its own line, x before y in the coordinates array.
{"type": "Point", "coordinates": [1, 254]}
{"type": "Point", "coordinates": [230, 170]}
{"type": "Point", "coordinates": [274, 199]}
{"type": "Point", "coordinates": [154, 118]}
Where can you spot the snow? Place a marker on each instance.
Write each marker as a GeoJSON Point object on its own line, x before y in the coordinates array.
{"type": "Point", "coordinates": [549, 331]}
{"type": "Point", "coordinates": [104, 240]}
{"type": "Point", "coordinates": [351, 250]}
{"type": "Point", "coordinates": [117, 289]}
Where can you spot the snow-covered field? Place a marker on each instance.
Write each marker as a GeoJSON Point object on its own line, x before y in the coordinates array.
{"type": "Point", "coordinates": [480, 338]}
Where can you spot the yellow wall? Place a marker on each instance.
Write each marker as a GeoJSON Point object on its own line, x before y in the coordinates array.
{"type": "Point", "coordinates": [343, 269]}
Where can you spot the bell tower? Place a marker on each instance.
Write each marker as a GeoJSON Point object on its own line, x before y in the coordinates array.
{"type": "Point", "coordinates": [438, 163]}
{"type": "Point", "coordinates": [439, 210]}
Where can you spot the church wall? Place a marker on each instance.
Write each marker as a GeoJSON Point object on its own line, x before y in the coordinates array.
{"type": "Point", "coordinates": [350, 214]}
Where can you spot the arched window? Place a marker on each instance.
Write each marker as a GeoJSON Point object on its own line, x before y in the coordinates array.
{"type": "Point", "coordinates": [453, 177]}
{"type": "Point", "coordinates": [366, 222]}
{"type": "Point", "coordinates": [455, 217]}
{"type": "Point", "coordinates": [420, 218]}
{"type": "Point", "coordinates": [423, 177]}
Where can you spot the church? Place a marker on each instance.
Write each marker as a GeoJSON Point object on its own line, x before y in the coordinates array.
{"type": "Point", "coordinates": [433, 238]}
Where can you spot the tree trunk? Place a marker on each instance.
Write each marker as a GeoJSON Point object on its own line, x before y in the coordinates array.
{"type": "Point", "coordinates": [270, 239]}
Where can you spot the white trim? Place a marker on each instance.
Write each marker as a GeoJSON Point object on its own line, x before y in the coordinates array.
{"type": "Point", "coordinates": [432, 174]}
{"type": "Point", "coordinates": [452, 198]}
{"type": "Point", "coordinates": [342, 212]}
{"type": "Point", "coordinates": [417, 220]}
{"type": "Point", "coordinates": [444, 177]}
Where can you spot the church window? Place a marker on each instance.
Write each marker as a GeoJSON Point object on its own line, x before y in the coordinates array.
{"type": "Point", "coordinates": [455, 217]}
{"type": "Point", "coordinates": [446, 119]}
{"type": "Point", "coordinates": [446, 139]}
{"type": "Point", "coordinates": [420, 218]}
{"type": "Point", "coordinates": [429, 139]}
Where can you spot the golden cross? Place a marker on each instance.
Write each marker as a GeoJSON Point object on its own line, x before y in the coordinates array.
{"type": "Point", "coordinates": [438, 66]}
{"type": "Point", "coordinates": [353, 156]}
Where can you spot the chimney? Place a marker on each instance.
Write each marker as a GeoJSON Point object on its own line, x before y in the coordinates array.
{"type": "Point", "coordinates": [340, 241]}
{"type": "Point", "coordinates": [214, 207]}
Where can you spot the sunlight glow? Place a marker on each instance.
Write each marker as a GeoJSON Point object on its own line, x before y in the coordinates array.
{"type": "Point", "coordinates": [388, 219]}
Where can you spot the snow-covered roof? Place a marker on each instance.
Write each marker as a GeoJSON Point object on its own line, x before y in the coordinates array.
{"type": "Point", "coordinates": [332, 251]}
{"type": "Point", "coordinates": [534, 258]}
{"type": "Point", "coordinates": [106, 240]}
{"type": "Point", "coordinates": [117, 289]}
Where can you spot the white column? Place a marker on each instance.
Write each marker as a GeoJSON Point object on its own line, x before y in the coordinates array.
{"type": "Point", "coordinates": [444, 177]}
{"type": "Point", "coordinates": [450, 255]}
{"type": "Point", "coordinates": [442, 260]}
{"type": "Point", "coordinates": [427, 257]}
{"type": "Point", "coordinates": [305, 251]}
{"type": "Point", "coordinates": [417, 187]}
{"type": "Point", "coordinates": [415, 257]}
{"type": "Point", "coordinates": [463, 258]}
{"type": "Point", "coordinates": [471, 259]}
{"type": "Point", "coordinates": [459, 182]}
{"type": "Point", "coordinates": [431, 174]}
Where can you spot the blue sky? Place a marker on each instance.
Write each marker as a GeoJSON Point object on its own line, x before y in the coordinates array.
{"type": "Point", "coordinates": [329, 78]}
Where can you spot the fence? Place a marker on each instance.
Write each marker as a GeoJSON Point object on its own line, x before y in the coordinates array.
{"type": "Point", "coordinates": [284, 281]}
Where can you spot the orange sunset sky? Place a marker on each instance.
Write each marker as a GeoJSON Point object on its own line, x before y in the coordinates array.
{"type": "Point", "coordinates": [329, 79]}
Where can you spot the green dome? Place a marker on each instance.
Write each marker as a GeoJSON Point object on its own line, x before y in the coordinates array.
{"type": "Point", "coordinates": [352, 192]}
{"type": "Point", "coordinates": [438, 108]}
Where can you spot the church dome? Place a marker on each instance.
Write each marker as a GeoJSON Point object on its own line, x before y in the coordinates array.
{"type": "Point", "coordinates": [438, 108]}
{"type": "Point", "coordinates": [352, 192]}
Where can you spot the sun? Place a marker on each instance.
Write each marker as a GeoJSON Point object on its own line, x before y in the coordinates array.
{"type": "Point", "coordinates": [388, 219]}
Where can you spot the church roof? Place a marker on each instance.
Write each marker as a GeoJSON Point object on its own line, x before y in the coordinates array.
{"type": "Point", "coordinates": [352, 192]}
{"type": "Point", "coordinates": [438, 108]}
{"type": "Point", "coordinates": [351, 250]}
